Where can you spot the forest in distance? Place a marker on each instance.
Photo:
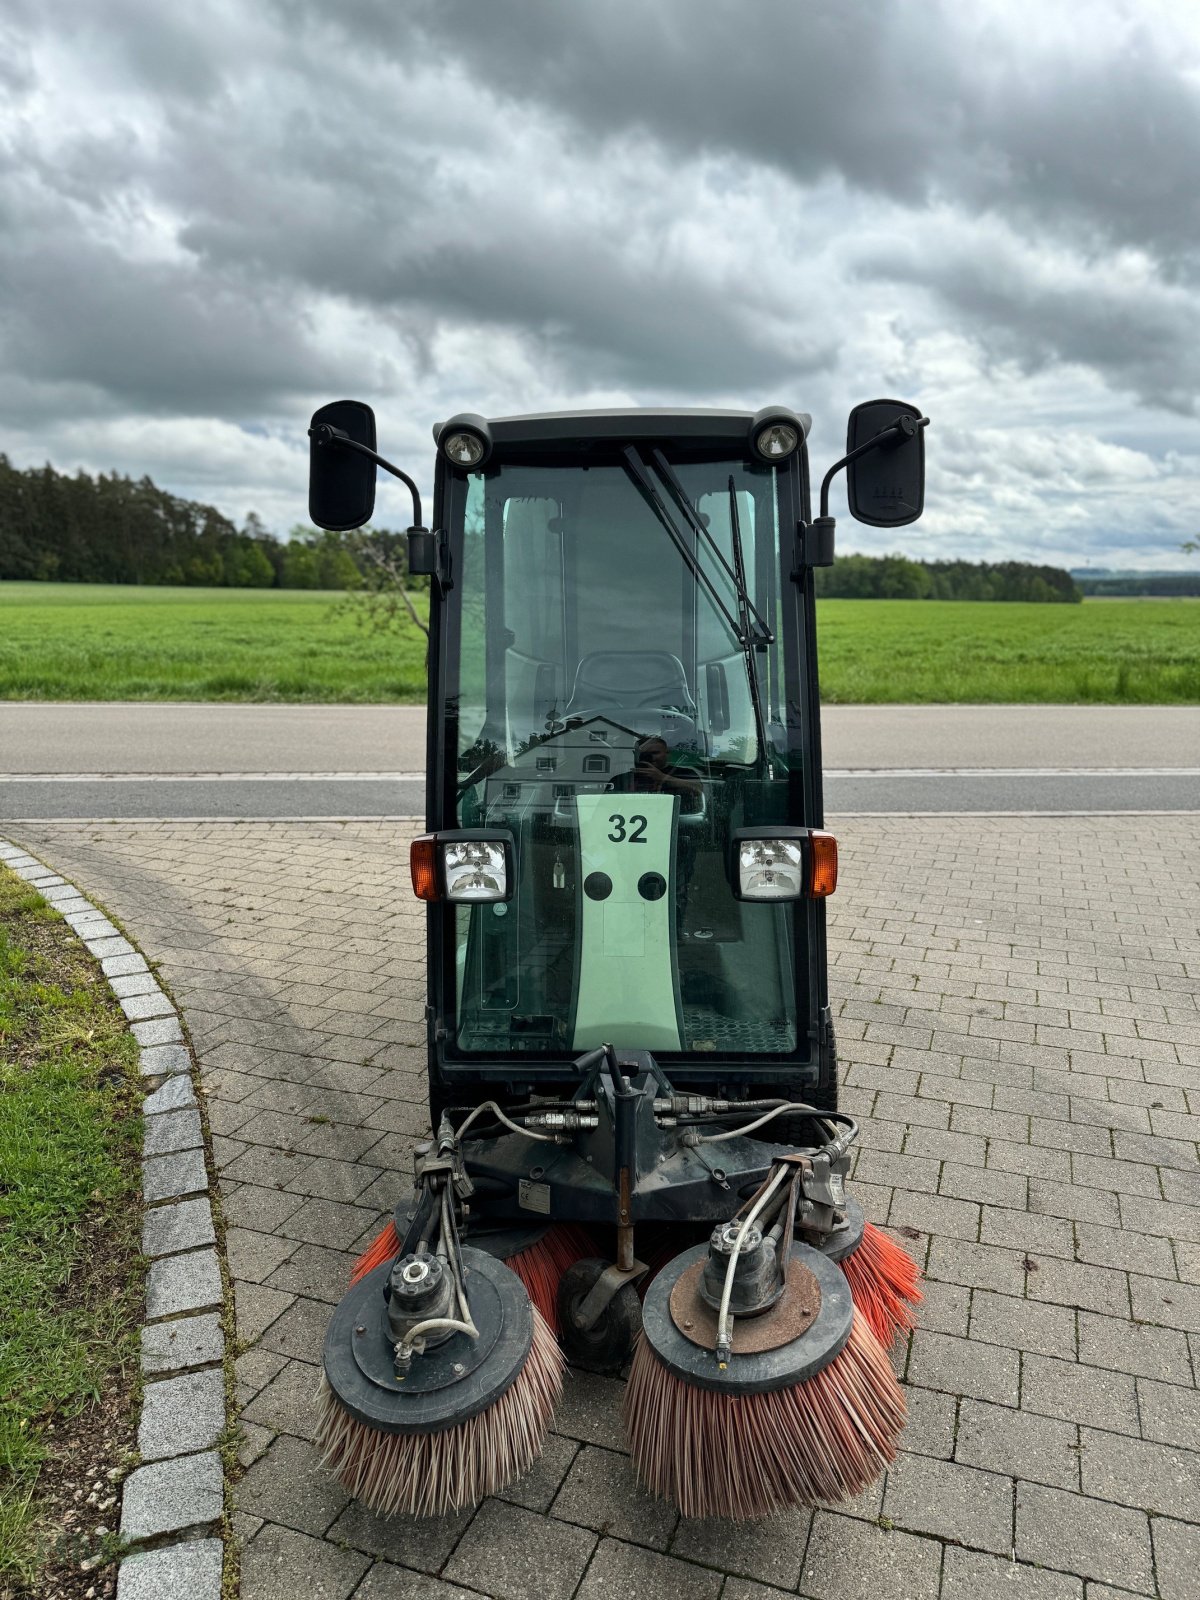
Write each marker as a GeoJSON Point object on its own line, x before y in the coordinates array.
{"type": "Point", "coordinates": [62, 528]}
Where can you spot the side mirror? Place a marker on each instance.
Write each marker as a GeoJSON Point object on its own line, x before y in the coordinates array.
{"type": "Point", "coordinates": [341, 480]}
{"type": "Point", "coordinates": [886, 487]}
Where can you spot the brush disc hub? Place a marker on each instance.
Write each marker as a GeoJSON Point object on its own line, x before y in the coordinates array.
{"type": "Point", "coordinates": [847, 1240]}
{"type": "Point", "coordinates": [445, 1385]}
{"type": "Point", "coordinates": [796, 1308]}
{"type": "Point", "coordinates": [805, 1330]}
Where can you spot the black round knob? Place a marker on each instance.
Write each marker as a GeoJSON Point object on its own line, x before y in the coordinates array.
{"type": "Point", "coordinates": [597, 886]}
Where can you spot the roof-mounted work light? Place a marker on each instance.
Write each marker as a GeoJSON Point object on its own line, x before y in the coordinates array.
{"type": "Point", "coordinates": [775, 433]}
{"type": "Point", "coordinates": [465, 441]}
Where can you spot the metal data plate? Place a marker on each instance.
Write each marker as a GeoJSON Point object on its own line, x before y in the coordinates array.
{"type": "Point", "coordinates": [533, 1196]}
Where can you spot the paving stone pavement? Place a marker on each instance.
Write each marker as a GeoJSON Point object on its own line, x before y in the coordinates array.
{"type": "Point", "coordinates": [1019, 1030]}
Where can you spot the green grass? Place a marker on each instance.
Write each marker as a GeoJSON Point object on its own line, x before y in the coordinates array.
{"type": "Point", "coordinates": [70, 1266]}
{"type": "Point", "coordinates": [1110, 652]}
{"type": "Point", "coordinates": [61, 641]}
{"type": "Point", "coordinates": [96, 642]}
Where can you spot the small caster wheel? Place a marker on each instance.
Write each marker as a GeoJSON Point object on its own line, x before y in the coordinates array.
{"type": "Point", "coordinates": [608, 1344]}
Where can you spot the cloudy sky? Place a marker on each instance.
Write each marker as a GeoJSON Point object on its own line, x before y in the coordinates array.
{"type": "Point", "coordinates": [214, 216]}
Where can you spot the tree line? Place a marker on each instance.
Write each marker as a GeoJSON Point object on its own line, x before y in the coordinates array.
{"type": "Point", "coordinates": [901, 578]}
{"type": "Point", "coordinates": [112, 529]}
{"type": "Point", "coordinates": [1158, 585]}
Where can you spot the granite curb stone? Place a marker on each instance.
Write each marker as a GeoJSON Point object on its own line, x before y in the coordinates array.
{"type": "Point", "coordinates": [158, 1060]}
{"type": "Point", "coordinates": [194, 1341]}
{"type": "Point", "coordinates": [171, 1496]}
{"type": "Point", "coordinates": [187, 1571]}
{"type": "Point", "coordinates": [182, 1414]}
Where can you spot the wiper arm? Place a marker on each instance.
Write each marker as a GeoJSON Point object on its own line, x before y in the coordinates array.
{"type": "Point", "coordinates": [739, 562]}
{"type": "Point", "coordinates": [736, 577]}
{"type": "Point", "coordinates": [636, 469]}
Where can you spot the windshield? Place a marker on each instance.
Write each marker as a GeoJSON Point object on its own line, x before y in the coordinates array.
{"type": "Point", "coordinates": [604, 669]}
{"type": "Point", "coordinates": [576, 600]}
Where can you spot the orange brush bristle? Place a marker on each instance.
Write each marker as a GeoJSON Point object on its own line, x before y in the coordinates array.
{"type": "Point", "coordinates": [885, 1283]}
{"type": "Point", "coordinates": [539, 1265]}
{"type": "Point", "coordinates": [382, 1247]}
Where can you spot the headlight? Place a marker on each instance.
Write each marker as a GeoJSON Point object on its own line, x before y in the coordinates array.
{"type": "Point", "coordinates": [788, 864]}
{"type": "Point", "coordinates": [475, 870]}
{"type": "Point", "coordinates": [464, 449]}
{"type": "Point", "coordinates": [770, 869]}
{"type": "Point", "coordinates": [777, 441]}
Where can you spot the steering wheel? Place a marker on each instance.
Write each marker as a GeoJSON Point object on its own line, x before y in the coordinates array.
{"type": "Point", "coordinates": [631, 716]}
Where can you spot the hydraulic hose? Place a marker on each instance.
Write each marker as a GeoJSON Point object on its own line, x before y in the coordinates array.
{"type": "Point", "coordinates": [749, 1127]}
{"type": "Point", "coordinates": [448, 1244]}
{"type": "Point", "coordinates": [724, 1320]}
{"type": "Point", "coordinates": [842, 1141]}
{"type": "Point", "coordinates": [505, 1121]}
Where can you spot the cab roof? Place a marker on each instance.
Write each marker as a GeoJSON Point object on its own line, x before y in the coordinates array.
{"type": "Point", "coordinates": [694, 424]}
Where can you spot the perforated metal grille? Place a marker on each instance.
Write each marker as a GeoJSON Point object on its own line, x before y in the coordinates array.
{"type": "Point", "coordinates": [706, 1030]}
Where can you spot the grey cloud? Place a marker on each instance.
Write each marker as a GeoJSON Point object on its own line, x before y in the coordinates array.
{"type": "Point", "coordinates": [1139, 336]}
{"type": "Point", "coordinates": [306, 215]}
{"type": "Point", "coordinates": [161, 335]}
{"type": "Point", "coordinates": [1098, 129]}
{"type": "Point", "coordinates": [232, 210]}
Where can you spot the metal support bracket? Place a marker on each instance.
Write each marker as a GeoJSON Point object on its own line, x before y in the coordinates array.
{"type": "Point", "coordinates": [605, 1289]}
{"type": "Point", "coordinates": [814, 545]}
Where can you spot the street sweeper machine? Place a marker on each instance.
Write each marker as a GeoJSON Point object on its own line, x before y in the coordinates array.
{"type": "Point", "coordinates": [637, 1153]}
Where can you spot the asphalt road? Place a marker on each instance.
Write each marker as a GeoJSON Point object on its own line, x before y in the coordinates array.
{"type": "Point", "coordinates": [38, 737]}
{"type": "Point", "coordinates": [217, 761]}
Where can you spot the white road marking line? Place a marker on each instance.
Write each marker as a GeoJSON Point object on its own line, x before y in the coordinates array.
{"type": "Point", "coordinates": [337, 820]}
{"type": "Point", "coordinates": [1012, 772]}
{"type": "Point", "coordinates": [1130, 811]}
{"type": "Point", "coordinates": [212, 777]}
{"type": "Point", "coordinates": [883, 773]}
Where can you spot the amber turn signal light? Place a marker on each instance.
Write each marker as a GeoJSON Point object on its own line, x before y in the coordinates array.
{"type": "Point", "coordinates": [422, 863]}
{"type": "Point", "coordinates": [822, 871]}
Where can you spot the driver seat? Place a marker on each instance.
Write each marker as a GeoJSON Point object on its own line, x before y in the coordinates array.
{"type": "Point", "coordinates": [628, 684]}
{"type": "Point", "coordinates": [628, 680]}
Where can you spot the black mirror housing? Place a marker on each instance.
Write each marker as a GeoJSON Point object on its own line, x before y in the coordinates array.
{"type": "Point", "coordinates": [886, 487]}
{"type": "Point", "coordinates": [341, 482]}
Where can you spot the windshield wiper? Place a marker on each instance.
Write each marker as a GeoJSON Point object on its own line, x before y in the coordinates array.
{"type": "Point", "coordinates": [736, 574]}
{"type": "Point", "coordinates": [636, 469]}
{"type": "Point", "coordinates": [735, 530]}
{"type": "Point", "coordinates": [740, 627]}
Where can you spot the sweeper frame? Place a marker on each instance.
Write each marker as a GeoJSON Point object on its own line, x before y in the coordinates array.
{"type": "Point", "coordinates": [631, 1058]}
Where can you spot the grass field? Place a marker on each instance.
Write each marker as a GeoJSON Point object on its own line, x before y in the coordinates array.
{"type": "Point", "coordinates": [62, 641]}
{"type": "Point", "coordinates": [92, 642]}
{"type": "Point", "coordinates": [1108, 652]}
{"type": "Point", "coordinates": [70, 1266]}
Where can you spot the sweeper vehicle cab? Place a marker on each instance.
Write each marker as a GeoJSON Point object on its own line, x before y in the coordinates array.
{"type": "Point", "coordinates": [631, 1056]}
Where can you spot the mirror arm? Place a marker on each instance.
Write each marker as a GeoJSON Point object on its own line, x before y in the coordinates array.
{"type": "Point", "coordinates": [325, 433]}
{"type": "Point", "coordinates": [903, 428]}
